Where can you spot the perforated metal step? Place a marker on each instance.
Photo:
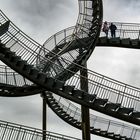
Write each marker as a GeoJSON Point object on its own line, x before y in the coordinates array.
{"type": "Point", "coordinates": [125, 111]}
{"type": "Point", "coordinates": [112, 106]}
{"type": "Point", "coordinates": [100, 102]}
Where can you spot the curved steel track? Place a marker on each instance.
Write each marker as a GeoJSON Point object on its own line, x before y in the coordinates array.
{"type": "Point", "coordinates": [44, 66]}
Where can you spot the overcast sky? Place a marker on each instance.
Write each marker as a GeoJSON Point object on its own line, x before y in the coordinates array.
{"type": "Point", "coordinates": [42, 18]}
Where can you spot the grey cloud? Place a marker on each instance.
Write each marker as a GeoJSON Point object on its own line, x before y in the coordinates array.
{"type": "Point", "coordinates": [25, 108]}
{"type": "Point", "coordinates": [41, 18]}
{"type": "Point", "coordinates": [122, 10]}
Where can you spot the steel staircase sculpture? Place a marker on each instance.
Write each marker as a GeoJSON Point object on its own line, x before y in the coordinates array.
{"type": "Point", "coordinates": [124, 105]}
{"type": "Point", "coordinates": [14, 75]}
{"type": "Point", "coordinates": [43, 76]}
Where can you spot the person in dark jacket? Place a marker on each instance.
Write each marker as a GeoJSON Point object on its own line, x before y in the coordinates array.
{"type": "Point", "coordinates": [113, 29]}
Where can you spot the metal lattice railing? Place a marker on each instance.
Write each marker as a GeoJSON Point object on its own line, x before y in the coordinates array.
{"type": "Point", "coordinates": [125, 30]}
{"type": "Point", "coordinates": [106, 88]}
{"type": "Point", "coordinates": [11, 131]}
{"type": "Point", "coordinates": [29, 50]}
{"type": "Point", "coordinates": [98, 122]}
{"type": "Point", "coordinates": [75, 111]}
{"type": "Point", "coordinates": [10, 77]}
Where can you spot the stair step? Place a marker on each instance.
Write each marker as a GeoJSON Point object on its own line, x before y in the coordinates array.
{"type": "Point", "coordinates": [89, 97]}
{"type": "Point", "coordinates": [78, 123]}
{"type": "Point", "coordinates": [59, 109]}
{"type": "Point", "coordinates": [68, 89]}
{"type": "Point", "coordinates": [91, 128]}
{"type": "Point", "coordinates": [125, 41]}
{"type": "Point", "coordinates": [117, 136]}
{"type": "Point", "coordinates": [33, 71]}
{"type": "Point", "coordinates": [103, 40]}
{"type": "Point", "coordinates": [27, 68]}
{"type": "Point", "coordinates": [59, 85]}
{"type": "Point", "coordinates": [52, 101]}
{"type": "Point", "coordinates": [66, 115]}
{"type": "Point", "coordinates": [123, 137]}
{"type": "Point", "coordinates": [74, 121]}
{"type": "Point", "coordinates": [112, 106]}
{"type": "Point", "coordinates": [49, 97]}
{"type": "Point", "coordinates": [136, 115]}
{"type": "Point", "coordinates": [49, 81]}
{"type": "Point", "coordinates": [62, 113]}
{"type": "Point", "coordinates": [20, 63]}
{"type": "Point", "coordinates": [78, 93]}
{"type": "Point", "coordinates": [115, 41]}
{"type": "Point", "coordinates": [15, 59]}
{"type": "Point", "coordinates": [103, 132]}
{"type": "Point", "coordinates": [135, 42]}
{"type": "Point", "coordinates": [100, 102]}
{"type": "Point", "coordinates": [69, 118]}
{"type": "Point", "coordinates": [8, 54]}
{"type": "Point", "coordinates": [125, 111]}
{"type": "Point", "coordinates": [96, 131]}
{"type": "Point", "coordinates": [110, 134]}
{"type": "Point", "coordinates": [129, 139]}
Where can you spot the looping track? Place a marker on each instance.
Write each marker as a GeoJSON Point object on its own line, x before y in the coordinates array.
{"type": "Point", "coordinates": [56, 70]}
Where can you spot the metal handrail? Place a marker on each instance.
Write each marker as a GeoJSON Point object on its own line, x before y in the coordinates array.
{"type": "Point", "coordinates": [111, 86]}
{"type": "Point", "coordinates": [98, 122]}
{"type": "Point", "coordinates": [125, 30]}
{"type": "Point", "coordinates": [13, 131]}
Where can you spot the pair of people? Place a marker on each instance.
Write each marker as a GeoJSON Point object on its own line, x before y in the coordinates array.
{"type": "Point", "coordinates": [112, 28]}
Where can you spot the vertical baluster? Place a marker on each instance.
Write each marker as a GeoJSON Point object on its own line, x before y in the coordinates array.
{"type": "Point", "coordinates": [15, 82]}
{"type": "Point", "coordinates": [11, 132]}
{"type": "Point", "coordinates": [6, 74]}
{"type": "Point", "coordinates": [99, 87]}
{"type": "Point", "coordinates": [33, 134]}
{"type": "Point", "coordinates": [75, 111]}
{"type": "Point", "coordinates": [68, 107]}
{"type": "Point", "coordinates": [17, 137]}
{"type": "Point", "coordinates": [22, 136]}
{"type": "Point", "coordinates": [134, 137]}
{"type": "Point", "coordinates": [139, 35]}
{"type": "Point", "coordinates": [108, 126]}
{"type": "Point", "coordinates": [4, 131]}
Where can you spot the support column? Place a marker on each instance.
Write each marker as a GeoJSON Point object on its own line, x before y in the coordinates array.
{"type": "Point", "coordinates": [85, 110]}
{"type": "Point", "coordinates": [44, 116]}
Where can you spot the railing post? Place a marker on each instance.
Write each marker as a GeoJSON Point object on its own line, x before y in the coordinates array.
{"type": "Point", "coordinates": [139, 35]}
{"type": "Point", "coordinates": [120, 30]}
{"type": "Point", "coordinates": [123, 34]}
{"type": "Point", "coordinates": [84, 110]}
{"type": "Point", "coordinates": [108, 126]}
{"type": "Point", "coordinates": [44, 116]}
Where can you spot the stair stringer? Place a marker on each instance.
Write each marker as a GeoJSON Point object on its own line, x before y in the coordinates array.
{"type": "Point", "coordinates": [56, 107]}
{"type": "Point", "coordinates": [50, 84]}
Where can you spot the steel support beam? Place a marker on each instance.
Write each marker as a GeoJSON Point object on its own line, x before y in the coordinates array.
{"type": "Point", "coordinates": [85, 110]}
{"type": "Point", "coordinates": [44, 116]}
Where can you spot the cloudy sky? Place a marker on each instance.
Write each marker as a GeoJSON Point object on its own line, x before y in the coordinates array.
{"type": "Point", "coordinates": [42, 18]}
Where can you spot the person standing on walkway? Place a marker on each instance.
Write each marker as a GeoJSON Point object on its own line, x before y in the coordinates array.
{"type": "Point", "coordinates": [113, 29]}
{"type": "Point", "coordinates": [105, 28]}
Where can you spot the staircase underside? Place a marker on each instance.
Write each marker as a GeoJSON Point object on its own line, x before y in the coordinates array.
{"type": "Point", "coordinates": [119, 42]}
